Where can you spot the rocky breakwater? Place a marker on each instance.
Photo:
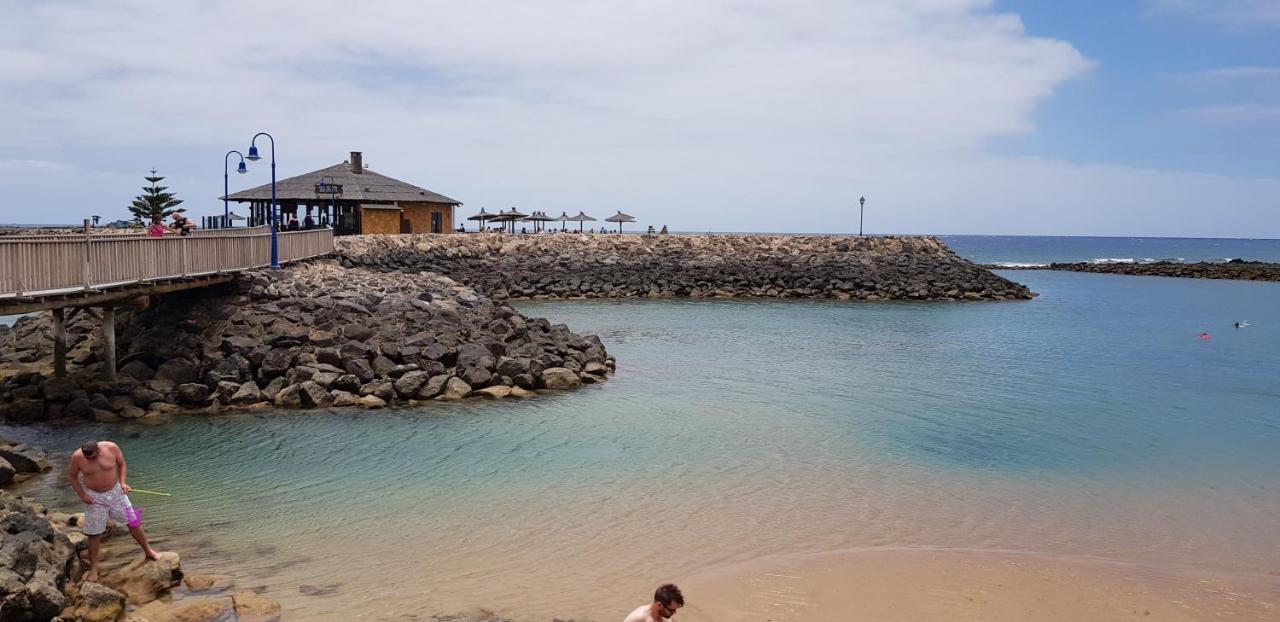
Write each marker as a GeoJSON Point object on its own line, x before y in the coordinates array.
{"type": "Point", "coordinates": [616, 266]}
{"type": "Point", "coordinates": [1235, 269]}
{"type": "Point", "coordinates": [316, 335]}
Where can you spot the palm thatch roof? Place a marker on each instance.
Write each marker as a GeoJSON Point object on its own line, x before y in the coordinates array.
{"type": "Point", "coordinates": [364, 187]}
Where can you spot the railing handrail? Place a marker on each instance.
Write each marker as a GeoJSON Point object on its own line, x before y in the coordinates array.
{"type": "Point", "coordinates": [44, 265]}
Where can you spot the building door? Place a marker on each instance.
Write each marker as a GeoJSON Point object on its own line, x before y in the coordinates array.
{"type": "Point", "coordinates": [437, 222]}
{"type": "Point", "coordinates": [405, 226]}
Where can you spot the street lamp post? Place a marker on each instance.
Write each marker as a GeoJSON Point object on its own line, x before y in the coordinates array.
{"type": "Point", "coordinates": [862, 202]}
{"type": "Point", "coordinates": [226, 212]}
{"type": "Point", "coordinates": [275, 209]}
{"type": "Point", "coordinates": [333, 194]}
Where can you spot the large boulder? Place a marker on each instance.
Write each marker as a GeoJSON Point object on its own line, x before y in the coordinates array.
{"type": "Point", "coordinates": [143, 581]}
{"type": "Point", "coordinates": [314, 395]}
{"type": "Point", "coordinates": [407, 386]}
{"type": "Point", "coordinates": [477, 376]}
{"type": "Point", "coordinates": [276, 363]}
{"type": "Point", "coordinates": [99, 603]}
{"type": "Point", "coordinates": [494, 392]}
{"type": "Point", "coordinates": [475, 355]}
{"type": "Point", "coordinates": [253, 607]}
{"type": "Point", "coordinates": [455, 389]}
{"type": "Point", "coordinates": [192, 393]}
{"type": "Point", "coordinates": [560, 378]}
{"type": "Point", "coordinates": [433, 387]}
{"type": "Point", "coordinates": [178, 371]}
{"type": "Point", "coordinates": [24, 458]}
{"type": "Point", "coordinates": [289, 397]}
{"type": "Point", "coordinates": [247, 393]}
{"type": "Point", "coordinates": [6, 472]}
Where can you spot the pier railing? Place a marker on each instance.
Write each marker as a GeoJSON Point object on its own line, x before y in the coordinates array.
{"type": "Point", "coordinates": [59, 264]}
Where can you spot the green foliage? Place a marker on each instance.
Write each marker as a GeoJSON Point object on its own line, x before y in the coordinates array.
{"type": "Point", "coordinates": [154, 201]}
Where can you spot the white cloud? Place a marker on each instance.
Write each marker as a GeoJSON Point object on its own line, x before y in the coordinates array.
{"type": "Point", "coordinates": [716, 114]}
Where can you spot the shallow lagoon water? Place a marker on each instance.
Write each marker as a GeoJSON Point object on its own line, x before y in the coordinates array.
{"type": "Point", "coordinates": [1089, 422]}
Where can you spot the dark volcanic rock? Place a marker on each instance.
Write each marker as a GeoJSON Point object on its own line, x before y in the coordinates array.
{"type": "Point", "coordinates": [1236, 269]}
{"type": "Point", "coordinates": [578, 266]}
{"type": "Point", "coordinates": [299, 338]}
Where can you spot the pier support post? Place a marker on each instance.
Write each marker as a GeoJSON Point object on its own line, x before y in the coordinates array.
{"type": "Point", "coordinates": [109, 340]}
{"type": "Point", "coordinates": [59, 344]}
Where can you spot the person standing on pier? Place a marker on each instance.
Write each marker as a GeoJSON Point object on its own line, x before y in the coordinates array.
{"type": "Point", "coordinates": [105, 495]}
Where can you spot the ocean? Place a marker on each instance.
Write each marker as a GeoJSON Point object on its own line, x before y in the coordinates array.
{"type": "Point", "coordinates": [1091, 423]}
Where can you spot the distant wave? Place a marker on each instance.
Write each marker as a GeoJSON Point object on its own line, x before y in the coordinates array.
{"type": "Point", "coordinates": [1107, 260]}
{"type": "Point", "coordinates": [1019, 264]}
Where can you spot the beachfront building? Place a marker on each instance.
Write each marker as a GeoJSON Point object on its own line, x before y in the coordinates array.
{"type": "Point", "coordinates": [352, 199]}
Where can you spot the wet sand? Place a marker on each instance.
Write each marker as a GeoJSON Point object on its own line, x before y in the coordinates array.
{"type": "Point", "coordinates": [962, 585]}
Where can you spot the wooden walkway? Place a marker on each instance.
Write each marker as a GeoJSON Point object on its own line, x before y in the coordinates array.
{"type": "Point", "coordinates": [54, 271]}
{"type": "Point", "coordinates": [80, 271]}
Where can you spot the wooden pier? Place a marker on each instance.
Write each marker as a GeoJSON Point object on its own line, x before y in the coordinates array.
{"type": "Point", "coordinates": [81, 271]}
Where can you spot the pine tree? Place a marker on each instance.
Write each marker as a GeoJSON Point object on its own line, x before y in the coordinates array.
{"type": "Point", "coordinates": [154, 201]}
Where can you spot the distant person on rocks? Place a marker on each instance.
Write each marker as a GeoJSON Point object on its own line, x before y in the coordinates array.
{"type": "Point", "coordinates": [666, 601]}
{"type": "Point", "coordinates": [157, 228]}
{"type": "Point", "coordinates": [105, 495]}
{"type": "Point", "coordinates": [182, 225]}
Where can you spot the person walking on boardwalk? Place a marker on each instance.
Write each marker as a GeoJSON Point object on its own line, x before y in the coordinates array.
{"type": "Point", "coordinates": [104, 492]}
{"type": "Point", "coordinates": [666, 601]}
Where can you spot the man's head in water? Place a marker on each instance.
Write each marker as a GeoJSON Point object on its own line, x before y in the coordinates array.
{"type": "Point", "coordinates": [668, 600]}
{"type": "Point", "coordinates": [89, 449]}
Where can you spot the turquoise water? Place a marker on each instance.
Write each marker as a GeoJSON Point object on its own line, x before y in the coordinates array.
{"type": "Point", "coordinates": [1089, 421]}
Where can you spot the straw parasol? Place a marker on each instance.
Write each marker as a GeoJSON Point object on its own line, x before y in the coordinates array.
{"type": "Point", "coordinates": [482, 217]}
{"type": "Point", "coordinates": [537, 218]}
{"type": "Point", "coordinates": [563, 219]}
{"type": "Point", "coordinates": [581, 218]}
{"type": "Point", "coordinates": [620, 218]}
{"type": "Point", "coordinates": [509, 216]}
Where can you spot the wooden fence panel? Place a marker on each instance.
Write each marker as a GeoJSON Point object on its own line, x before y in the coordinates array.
{"type": "Point", "coordinates": [33, 265]}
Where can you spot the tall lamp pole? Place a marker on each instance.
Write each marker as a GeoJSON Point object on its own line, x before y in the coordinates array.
{"type": "Point", "coordinates": [862, 203]}
{"type": "Point", "coordinates": [226, 212]}
{"type": "Point", "coordinates": [333, 194]}
{"type": "Point", "coordinates": [275, 209]}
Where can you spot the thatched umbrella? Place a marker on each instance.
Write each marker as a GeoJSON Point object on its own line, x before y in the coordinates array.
{"type": "Point", "coordinates": [563, 219]}
{"type": "Point", "coordinates": [509, 216]}
{"type": "Point", "coordinates": [581, 218]}
{"type": "Point", "coordinates": [620, 218]}
{"type": "Point", "coordinates": [482, 217]}
{"type": "Point", "coordinates": [537, 218]}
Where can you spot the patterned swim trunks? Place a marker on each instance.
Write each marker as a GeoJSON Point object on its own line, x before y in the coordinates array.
{"type": "Point", "coordinates": [107, 507]}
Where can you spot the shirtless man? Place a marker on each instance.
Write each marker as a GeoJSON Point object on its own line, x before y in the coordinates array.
{"type": "Point", "coordinates": [104, 494]}
{"type": "Point", "coordinates": [666, 601]}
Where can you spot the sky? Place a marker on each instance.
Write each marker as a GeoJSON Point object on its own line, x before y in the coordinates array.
{"type": "Point", "coordinates": [1089, 117]}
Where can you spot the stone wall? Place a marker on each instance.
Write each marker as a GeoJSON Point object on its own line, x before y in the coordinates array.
{"type": "Point", "coordinates": [609, 266]}
{"type": "Point", "coordinates": [1235, 269]}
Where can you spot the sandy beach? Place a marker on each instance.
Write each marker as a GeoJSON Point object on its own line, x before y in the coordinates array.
{"type": "Point", "coordinates": [979, 586]}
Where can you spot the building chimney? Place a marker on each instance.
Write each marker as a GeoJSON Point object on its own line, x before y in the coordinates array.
{"type": "Point", "coordinates": [357, 163]}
